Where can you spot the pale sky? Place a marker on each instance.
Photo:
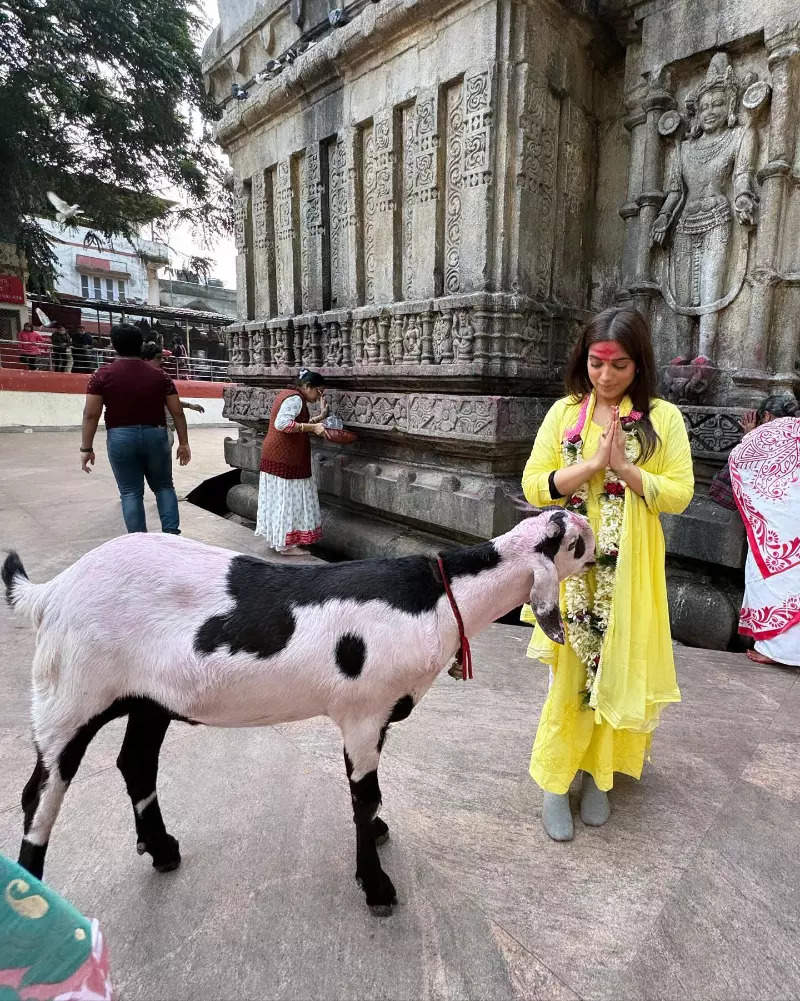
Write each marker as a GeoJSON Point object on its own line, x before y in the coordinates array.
{"type": "Point", "coordinates": [182, 241]}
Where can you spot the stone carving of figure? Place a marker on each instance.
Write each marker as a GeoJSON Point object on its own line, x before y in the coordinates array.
{"type": "Point", "coordinates": [334, 355]}
{"type": "Point", "coordinates": [257, 347]}
{"type": "Point", "coordinates": [442, 339]}
{"type": "Point", "coordinates": [710, 204]}
{"type": "Point", "coordinates": [412, 341]}
{"type": "Point", "coordinates": [371, 340]}
{"type": "Point", "coordinates": [306, 346]}
{"type": "Point", "coordinates": [279, 354]}
{"type": "Point", "coordinates": [533, 342]}
{"type": "Point", "coordinates": [237, 353]}
{"type": "Point", "coordinates": [463, 336]}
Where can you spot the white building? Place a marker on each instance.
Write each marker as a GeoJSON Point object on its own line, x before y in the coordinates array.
{"type": "Point", "coordinates": [120, 272]}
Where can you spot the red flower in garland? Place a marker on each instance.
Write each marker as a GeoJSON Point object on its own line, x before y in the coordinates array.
{"type": "Point", "coordinates": [576, 501]}
{"type": "Point", "coordinates": [573, 437]}
{"type": "Point", "coordinates": [614, 489]}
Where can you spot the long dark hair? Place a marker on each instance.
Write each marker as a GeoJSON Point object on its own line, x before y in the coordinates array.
{"type": "Point", "coordinates": [781, 405]}
{"type": "Point", "coordinates": [630, 329]}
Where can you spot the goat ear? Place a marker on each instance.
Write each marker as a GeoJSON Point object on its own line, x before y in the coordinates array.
{"type": "Point", "coordinates": [544, 599]}
{"type": "Point", "coordinates": [519, 502]}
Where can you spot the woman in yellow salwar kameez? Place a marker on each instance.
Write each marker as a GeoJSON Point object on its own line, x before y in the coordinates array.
{"type": "Point", "coordinates": [610, 438]}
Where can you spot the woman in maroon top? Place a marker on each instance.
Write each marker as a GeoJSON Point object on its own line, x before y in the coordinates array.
{"type": "Point", "coordinates": [135, 394]}
{"type": "Point", "coordinates": [288, 506]}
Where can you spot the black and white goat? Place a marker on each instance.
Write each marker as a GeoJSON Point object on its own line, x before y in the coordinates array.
{"type": "Point", "coordinates": [232, 640]}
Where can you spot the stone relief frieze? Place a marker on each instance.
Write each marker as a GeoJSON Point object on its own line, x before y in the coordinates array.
{"type": "Point", "coordinates": [468, 418]}
{"type": "Point", "coordinates": [425, 336]}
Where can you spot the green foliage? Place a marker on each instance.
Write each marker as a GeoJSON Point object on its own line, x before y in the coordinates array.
{"type": "Point", "coordinates": [96, 99]}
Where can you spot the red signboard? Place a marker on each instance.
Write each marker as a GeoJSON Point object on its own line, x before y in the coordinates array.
{"type": "Point", "coordinates": [12, 290]}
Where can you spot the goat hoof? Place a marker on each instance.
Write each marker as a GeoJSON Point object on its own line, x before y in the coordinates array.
{"type": "Point", "coordinates": [380, 830]}
{"type": "Point", "coordinates": [380, 893]}
{"type": "Point", "coordinates": [166, 856]}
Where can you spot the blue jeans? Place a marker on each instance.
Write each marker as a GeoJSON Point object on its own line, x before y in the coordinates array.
{"type": "Point", "coordinates": [137, 453]}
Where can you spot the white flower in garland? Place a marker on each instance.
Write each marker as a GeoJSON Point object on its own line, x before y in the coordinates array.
{"type": "Point", "coordinates": [587, 620]}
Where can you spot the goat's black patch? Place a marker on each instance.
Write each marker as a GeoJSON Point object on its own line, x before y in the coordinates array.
{"type": "Point", "coordinates": [549, 546]}
{"type": "Point", "coordinates": [12, 567]}
{"type": "Point", "coordinates": [70, 758]}
{"type": "Point", "coordinates": [580, 547]}
{"type": "Point", "coordinates": [552, 624]}
{"type": "Point", "coordinates": [33, 790]}
{"type": "Point", "coordinates": [401, 709]}
{"type": "Point", "coordinates": [351, 653]}
{"type": "Point", "coordinates": [262, 620]}
{"type": "Point", "coordinates": [31, 857]}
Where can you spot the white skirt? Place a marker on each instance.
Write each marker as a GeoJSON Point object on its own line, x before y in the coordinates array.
{"type": "Point", "coordinates": [288, 511]}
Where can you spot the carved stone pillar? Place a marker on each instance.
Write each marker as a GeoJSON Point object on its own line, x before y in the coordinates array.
{"type": "Point", "coordinates": [263, 246]}
{"type": "Point", "coordinates": [343, 195]}
{"type": "Point", "coordinates": [241, 209]}
{"type": "Point", "coordinates": [656, 102]}
{"type": "Point", "coordinates": [284, 233]}
{"type": "Point", "coordinates": [384, 321]}
{"type": "Point", "coordinates": [385, 194]}
{"type": "Point", "coordinates": [481, 347]}
{"type": "Point", "coordinates": [427, 338]}
{"type": "Point", "coordinates": [771, 340]}
{"type": "Point", "coordinates": [346, 327]}
{"type": "Point", "coordinates": [421, 171]}
{"type": "Point", "coordinates": [629, 211]}
{"type": "Point", "coordinates": [312, 230]}
{"type": "Point", "coordinates": [477, 179]}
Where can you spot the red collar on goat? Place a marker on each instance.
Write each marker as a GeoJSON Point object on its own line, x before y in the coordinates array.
{"type": "Point", "coordinates": [464, 654]}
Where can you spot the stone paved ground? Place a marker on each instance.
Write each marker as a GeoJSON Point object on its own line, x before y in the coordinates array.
{"type": "Point", "coordinates": [689, 892]}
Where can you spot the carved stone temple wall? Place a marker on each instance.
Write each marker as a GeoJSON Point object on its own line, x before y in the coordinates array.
{"type": "Point", "coordinates": [431, 196]}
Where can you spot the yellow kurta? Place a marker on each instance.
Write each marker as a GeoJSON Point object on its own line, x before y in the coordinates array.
{"type": "Point", "coordinates": [636, 675]}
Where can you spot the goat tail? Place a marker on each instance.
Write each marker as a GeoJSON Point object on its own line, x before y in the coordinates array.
{"type": "Point", "coordinates": [20, 591]}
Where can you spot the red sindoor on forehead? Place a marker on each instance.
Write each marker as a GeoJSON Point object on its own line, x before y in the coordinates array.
{"type": "Point", "coordinates": [608, 351]}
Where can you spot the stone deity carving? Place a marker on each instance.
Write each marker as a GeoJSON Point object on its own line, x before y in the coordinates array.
{"type": "Point", "coordinates": [371, 341]}
{"type": "Point", "coordinates": [463, 336]}
{"type": "Point", "coordinates": [412, 341]}
{"type": "Point", "coordinates": [710, 205]}
{"type": "Point", "coordinates": [533, 342]}
{"type": "Point", "coordinates": [257, 345]}
{"type": "Point", "coordinates": [334, 354]}
{"type": "Point", "coordinates": [236, 351]}
{"type": "Point", "coordinates": [279, 351]}
{"type": "Point", "coordinates": [442, 341]}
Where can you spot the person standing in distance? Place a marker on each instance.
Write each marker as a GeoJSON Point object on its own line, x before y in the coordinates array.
{"type": "Point", "coordinates": [135, 394]}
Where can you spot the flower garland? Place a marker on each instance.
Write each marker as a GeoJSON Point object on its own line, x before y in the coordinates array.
{"type": "Point", "coordinates": [587, 621]}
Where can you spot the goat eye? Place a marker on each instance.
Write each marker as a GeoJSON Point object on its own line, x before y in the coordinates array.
{"type": "Point", "coordinates": [571, 546]}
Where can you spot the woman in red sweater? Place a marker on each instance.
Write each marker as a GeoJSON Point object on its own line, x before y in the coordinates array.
{"type": "Point", "coordinates": [288, 506]}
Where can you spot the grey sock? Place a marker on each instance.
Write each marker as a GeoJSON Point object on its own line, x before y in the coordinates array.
{"type": "Point", "coordinates": [595, 810]}
{"type": "Point", "coordinates": [557, 816]}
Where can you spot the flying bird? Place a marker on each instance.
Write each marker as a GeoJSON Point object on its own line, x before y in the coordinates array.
{"type": "Point", "coordinates": [64, 212]}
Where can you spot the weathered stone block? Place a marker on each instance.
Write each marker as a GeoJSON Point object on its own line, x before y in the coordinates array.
{"type": "Point", "coordinates": [707, 532]}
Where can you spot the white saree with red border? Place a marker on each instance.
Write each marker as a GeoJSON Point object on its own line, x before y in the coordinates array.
{"type": "Point", "coordinates": [765, 477]}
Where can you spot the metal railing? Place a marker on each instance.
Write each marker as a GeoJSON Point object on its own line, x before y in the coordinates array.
{"type": "Point", "coordinates": [17, 355]}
